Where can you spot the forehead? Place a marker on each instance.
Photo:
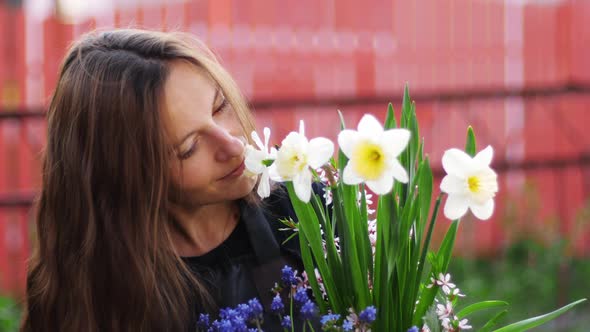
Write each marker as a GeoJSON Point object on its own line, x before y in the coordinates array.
{"type": "Point", "coordinates": [189, 94]}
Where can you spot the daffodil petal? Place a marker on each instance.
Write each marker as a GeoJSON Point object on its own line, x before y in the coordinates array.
{"type": "Point", "coordinates": [484, 157]}
{"type": "Point", "coordinates": [381, 186]}
{"type": "Point", "coordinates": [301, 128]}
{"type": "Point", "coordinates": [264, 185]}
{"type": "Point", "coordinates": [346, 140]}
{"type": "Point", "coordinates": [370, 125]}
{"type": "Point", "coordinates": [457, 163]}
{"type": "Point", "coordinates": [456, 206]}
{"type": "Point", "coordinates": [451, 184]}
{"type": "Point", "coordinates": [349, 176]}
{"type": "Point", "coordinates": [483, 211]}
{"type": "Point", "coordinates": [398, 171]}
{"type": "Point", "coordinates": [253, 160]}
{"type": "Point", "coordinates": [294, 139]}
{"type": "Point", "coordinates": [302, 185]}
{"type": "Point", "coordinates": [396, 140]}
{"type": "Point", "coordinates": [266, 132]}
{"type": "Point", "coordinates": [257, 140]}
{"type": "Point", "coordinates": [274, 174]}
{"type": "Point", "coordinates": [319, 151]}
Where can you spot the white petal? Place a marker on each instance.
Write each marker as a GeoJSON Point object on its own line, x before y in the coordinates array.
{"type": "Point", "coordinates": [347, 140]}
{"type": "Point", "coordinates": [398, 171]}
{"type": "Point", "coordinates": [264, 185]}
{"type": "Point", "coordinates": [456, 162]}
{"type": "Point", "coordinates": [483, 211]}
{"type": "Point", "coordinates": [294, 139]}
{"type": "Point", "coordinates": [302, 184]}
{"type": "Point", "coordinates": [274, 174]}
{"type": "Point", "coordinates": [456, 206]}
{"type": "Point", "coordinates": [301, 128]}
{"type": "Point", "coordinates": [319, 151]}
{"type": "Point", "coordinates": [266, 132]}
{"type": "Point", "coordinates": [451, 184]}
{"type": "Point", "coordinates": [381, 186]}
{"type": "Point", "coordinates": [484, 157]}
{"type": "Point", "coordinates": [253, 160]}
{"type": "Point", "coordinates": [395, 140]}
{"type": "Point", "coordinates": [257, 140]}
{"type": "Point", "coordinates": [349, 176]}
{"type": "Point", "coordinates": [370, 125]}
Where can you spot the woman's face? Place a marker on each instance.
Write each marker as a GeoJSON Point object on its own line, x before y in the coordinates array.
{"type": "Point", "coordinates": [206, 137]}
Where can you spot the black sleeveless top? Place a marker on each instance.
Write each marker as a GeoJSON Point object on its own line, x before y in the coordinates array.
{"type": "Point", "coordinates": [249, 262]}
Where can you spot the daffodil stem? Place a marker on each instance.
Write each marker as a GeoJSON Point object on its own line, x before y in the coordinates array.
{"type": "Point", "coordinates": [330, 174]}
{"type": "Point", "coordinates": [429, 235]}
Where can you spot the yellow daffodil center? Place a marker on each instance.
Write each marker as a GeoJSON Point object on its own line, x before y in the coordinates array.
{"type": "Point", "coordinates": [368, 160]}
{"type": "Point", "coordinates": [291, 162]}
{"type": "Point", "coordinates": [482, 186]}
{"type": "Point", "coordinates": [474, 184]}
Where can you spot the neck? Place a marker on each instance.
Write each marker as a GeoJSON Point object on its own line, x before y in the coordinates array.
{"type": "Point", "coordinates": [198, 231]}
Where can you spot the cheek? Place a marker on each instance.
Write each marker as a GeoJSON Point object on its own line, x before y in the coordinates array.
{"type": "Point", "coordinates": [191, 173]}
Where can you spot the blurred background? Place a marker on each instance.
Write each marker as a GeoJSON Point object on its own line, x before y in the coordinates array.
{"type": "Point", "coordinates": [518, 71]}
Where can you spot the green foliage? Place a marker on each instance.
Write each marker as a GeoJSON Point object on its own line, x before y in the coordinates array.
{"type": "Point", "coordinates": [533, 278]}
{"type": "Point", "coordinates": [9, 315]}
{"type": "Point", "coordinates": [403, 261]}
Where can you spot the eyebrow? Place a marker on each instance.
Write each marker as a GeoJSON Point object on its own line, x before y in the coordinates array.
{"type": "Point", "coordinates": [192, 132]}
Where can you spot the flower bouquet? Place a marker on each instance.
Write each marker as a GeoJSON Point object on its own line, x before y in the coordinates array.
{"type": "Point", "coordinates": [375, 270]}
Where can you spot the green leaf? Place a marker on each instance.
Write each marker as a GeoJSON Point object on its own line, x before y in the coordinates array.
{"type": "Point", "coordinates": [309, 229]}
{"type": "Point", "coordinates": [342, 159]}
{"type": "Point", "coordinates": [493, 321]}
{"type": "Point", "coordinates": [306, 256]}
{"type": "Point", "coordinates": [446, 248]}
{"type": "Point", "coordinates": [351, 246]}
{"type": "Point", "coordinates": [428, 294]}
{"type": "Point", "coordinates": [536, 321]}
{"type": "Point", "coordinates": [390, 122]}
{"type": "Point", "coordinates": [470, 145]}
{"type": "Point", "coordinates": [480, 306]}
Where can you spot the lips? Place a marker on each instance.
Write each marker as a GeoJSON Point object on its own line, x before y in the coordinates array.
{"type": "Point", "coordinates": [239, 170]}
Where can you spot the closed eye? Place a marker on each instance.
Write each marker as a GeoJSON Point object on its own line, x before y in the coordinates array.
{"type": "Point", "coordinates": [188, 152]}
{"type": "Point", "coordinates": [222, 107]}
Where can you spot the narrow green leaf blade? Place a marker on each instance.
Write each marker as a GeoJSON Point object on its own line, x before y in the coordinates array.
{"type": "Point", "coordinates": [539, 320]}
{"type": "Point", "coordinates": [470, 145]}
{"type": "Point", "coordinates": [480, 306]}
{"type": "Point", "coordinates": [493, 321]}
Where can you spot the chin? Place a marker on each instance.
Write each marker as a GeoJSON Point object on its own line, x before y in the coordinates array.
{"type": "Point", "coordinates": [193, 198]}
{"type": "Point", "coordinates": [244, 186]}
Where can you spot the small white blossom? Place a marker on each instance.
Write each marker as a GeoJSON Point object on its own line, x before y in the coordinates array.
{"type": "Point", "coordinates": [454, 293]}
{"type": "Point", "coordinates": [470, 183]}
{"type": "Point", "coordinates": [444, 310]}
{"type": "Point", "coordinates": [447, 324]}
{"type": "Point", "coordinates": [444, 280]}
{"type": "Point", "coordinates": [463, 325]}
{"type": "Point", "coordinates": [256, 160]}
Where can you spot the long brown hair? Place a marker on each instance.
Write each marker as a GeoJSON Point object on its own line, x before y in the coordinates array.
{"type": "Point", "coordinates": [104, 259]}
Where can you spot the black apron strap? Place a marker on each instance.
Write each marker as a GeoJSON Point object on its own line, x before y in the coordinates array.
{"type": "Point", "coordinates": [268, 254]}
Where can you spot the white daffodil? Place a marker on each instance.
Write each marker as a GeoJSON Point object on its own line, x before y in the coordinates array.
{"type": "Point", "coordinates": [257, 161]}
{"type": "Point", "coordinates": [372, 154]}
{"type": "Point", "coordinates": [470, 183]}
{"type": "Point", "coordinates": [295, 157]}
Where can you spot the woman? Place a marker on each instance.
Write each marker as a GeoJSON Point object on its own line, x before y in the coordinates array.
{"type": "Point", "coordinates": [146, 217]}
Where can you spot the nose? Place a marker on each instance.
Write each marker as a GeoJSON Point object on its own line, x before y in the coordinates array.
{"type": "Point", "coordinates": [228, 146]}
